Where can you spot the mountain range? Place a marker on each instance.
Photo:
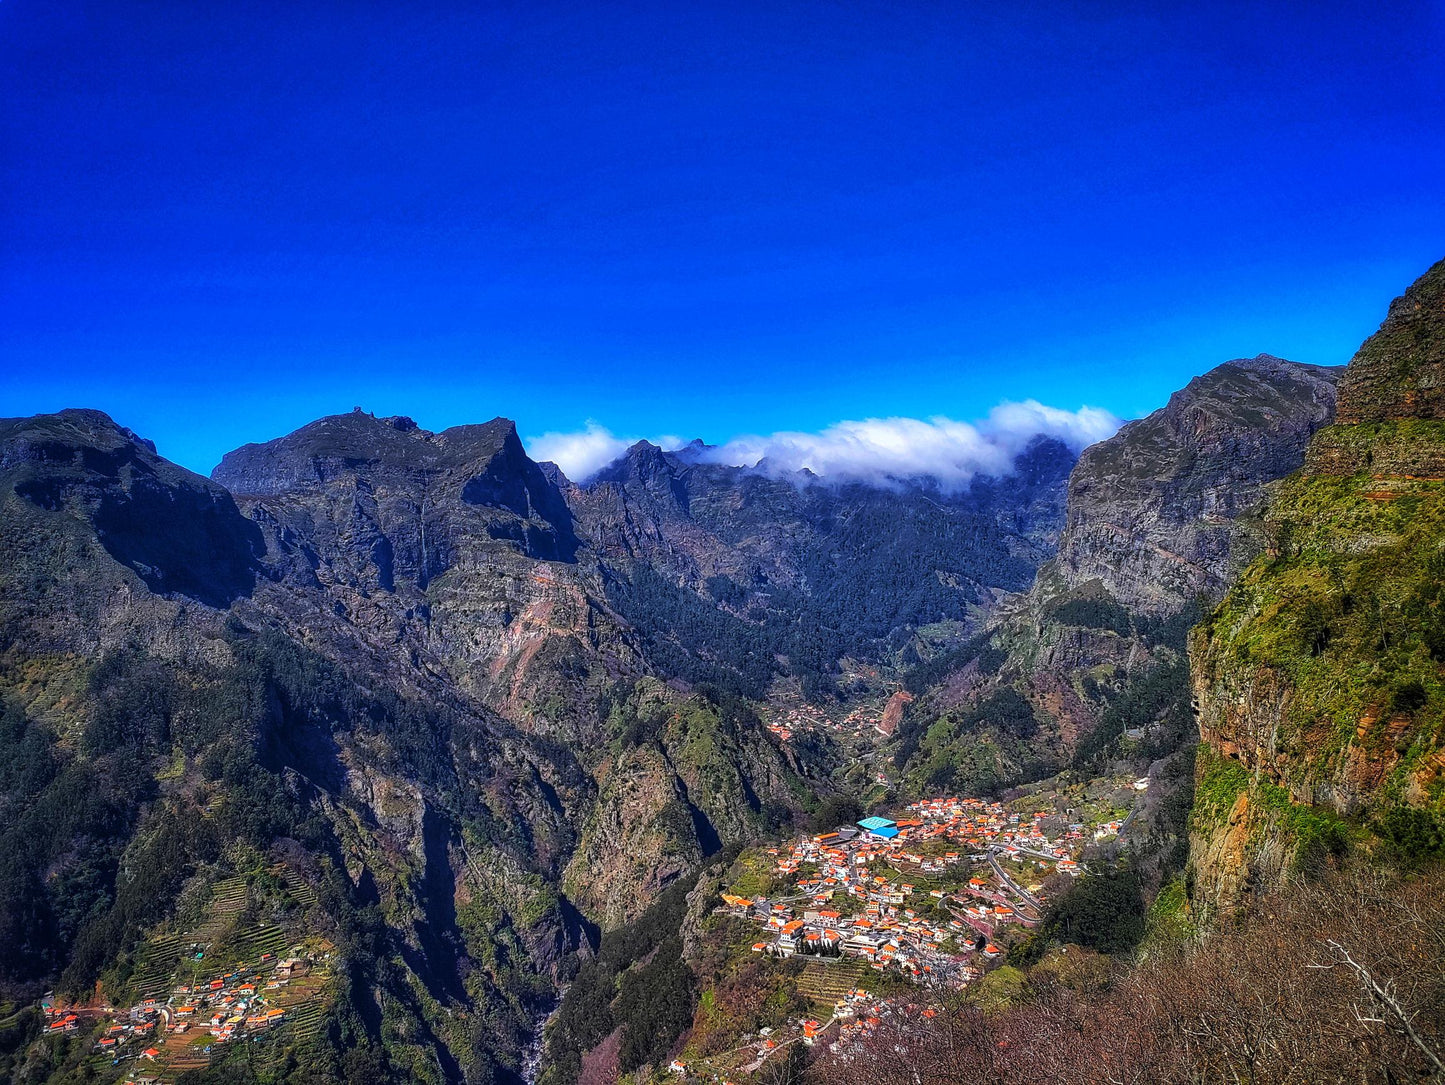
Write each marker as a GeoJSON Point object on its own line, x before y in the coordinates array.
{"type": "Point", "coordinates": [445, 717]}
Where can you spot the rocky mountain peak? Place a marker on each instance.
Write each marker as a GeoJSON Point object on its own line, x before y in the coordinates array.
{"type": "Point", "coordinates": [482, 438]}
{"type": "Point", "coordinates": [693, 449]}
{"type": "Point", "coordinates": [405, 498]}
{"type": "Point", "coordinates": [645, 465]}
{"type": "Point", "coordinates": [337, 444]}
{"type": "Point", "coordinates": [1399, 372]}
{"type": "Point", "coordinates": [179, 532]}
{"type": "Point", "coordinates": [70, 429]}
{"type": "Point", "coordinates": [1151, 508]}
{"type": "Point", "coordinates": [1043, 460]}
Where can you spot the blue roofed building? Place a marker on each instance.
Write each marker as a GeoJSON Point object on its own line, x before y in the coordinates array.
{"type": "Point", "coordinates": [880, 828]}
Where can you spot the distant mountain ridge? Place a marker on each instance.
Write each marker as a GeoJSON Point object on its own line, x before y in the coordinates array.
{"type": "Point", "coordinates": [795, 565]}
{"type": "Point", "coordinates": [482, 710]}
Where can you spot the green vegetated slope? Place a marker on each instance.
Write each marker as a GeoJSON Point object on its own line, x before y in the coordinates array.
{"type": "Point", "coordinates": [385, 661]}
{"type": "Point", "coordinates": [1319, 677]}
{"type": "Point", "coordinates": [178, 767]}
{"type": "Point", "coordinates": [1086, 670]}
{"type": "Point", "coordinates": [679, 779]}
{"type": "Point", "coordinates": [736, 577]}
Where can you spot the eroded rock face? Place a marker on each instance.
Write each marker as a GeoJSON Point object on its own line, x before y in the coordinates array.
{"type": "Point", "coordinates": [1154, 513]}
{"type": "Point", "coordinates": [455, 546]}
{"type": "Point", "coordinates": [1317, 674]}
{"type": "Point", "coordinates": [893, 712]}
{"type": "Point", "coordinates": [1159, 517]}
{"type": "Point", "coordinates": [1399, 372]}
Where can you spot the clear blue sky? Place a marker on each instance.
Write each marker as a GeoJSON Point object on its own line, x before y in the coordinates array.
{"type": "Point", "coordinates": [220, 220]}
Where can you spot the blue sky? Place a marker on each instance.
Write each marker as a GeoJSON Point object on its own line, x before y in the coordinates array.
{"type": "Point", "coordinates": [223, 220]}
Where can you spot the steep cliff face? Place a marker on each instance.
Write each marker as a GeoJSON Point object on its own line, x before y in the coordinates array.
{"type": "Point", "coordinates": [455, 547]}
{"type": "Point", "coordinates": [166, 715]}
{"type": "Point", "coordinates": [1317, 679]}
{"type": "Point", "coordinates": [1159, 516]}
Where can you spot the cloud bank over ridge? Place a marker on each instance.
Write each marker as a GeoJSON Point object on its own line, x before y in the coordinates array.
{"type": "Point", "coordinates": [880, 451]}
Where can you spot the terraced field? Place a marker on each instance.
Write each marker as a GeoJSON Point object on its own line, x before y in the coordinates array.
{"type": "Point", "coordinates": [182, 1054]}
{"type": "Point", "coordinates": [305, 1004]}
{"type": "Point", "coordinates": [155, 967]}
{"type": "Point", "coordinates": [246, 947]}
{"type": "Point", "coordinates": [225, 945]}
{"type": "Point", "coordinates": [297, 886]}
{"type": "Point", "coordinates": [824, 983]}
{"type": "Point", "coordinates": [228, 900]}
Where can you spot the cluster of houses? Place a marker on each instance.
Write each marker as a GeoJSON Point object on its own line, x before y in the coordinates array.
{"type": "Point", "coordinates": [853, 895]}
{"type": "Point", "coordinates": [923, 895]}
{"type": "Point", "coordinates": [797, 719]}
{"type": "Point", "coordinates": [230, 1006]}
{"type": "Point", "coordinates": [1108, 829]}
{"type": "Point", "coordinates": [58, 1019]}
{"type": "Point", "coordinates": [979, 824]}
{"type": "Point", "coordinates": [800, 719]}
{"type": "Point", "coordinates": [859, 1020]}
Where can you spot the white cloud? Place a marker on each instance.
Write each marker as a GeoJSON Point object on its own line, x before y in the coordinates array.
{"type": "Point", "coordinates": [881, 451]}
{"type": "Point", "coordinates": [886, 450]}
{"type": "Point", "coordinates": [582, 453]}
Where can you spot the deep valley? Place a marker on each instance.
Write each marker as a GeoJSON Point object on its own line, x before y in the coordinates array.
{"type": "Point", "coordinates": [391, 755]}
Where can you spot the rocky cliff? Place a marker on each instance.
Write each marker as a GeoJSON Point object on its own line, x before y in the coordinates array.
{"type": "Point", "coordinates": [1159, 516]}
{"type": "Point", "coordinates": [1317, 679]}
{"type": "Point", "coordinates": [387, 667]}
{"type": "Point", "coordinates": [454, 547]}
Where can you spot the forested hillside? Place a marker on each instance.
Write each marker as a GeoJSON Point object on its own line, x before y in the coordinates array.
{"type": "Point", "coordinates": [386, 699]}
{"type": "Point", "coordinates": [737, 578]}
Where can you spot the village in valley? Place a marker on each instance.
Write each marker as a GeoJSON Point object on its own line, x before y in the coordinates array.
{"type": "Point", "coordinates": [183, 1030]}
{"type": "Point", "coordinates": [861, 725]}
{"type": "Point", "coordinates": [924, 903]}
{"type": "Point", "coordinates": [195, 996]}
